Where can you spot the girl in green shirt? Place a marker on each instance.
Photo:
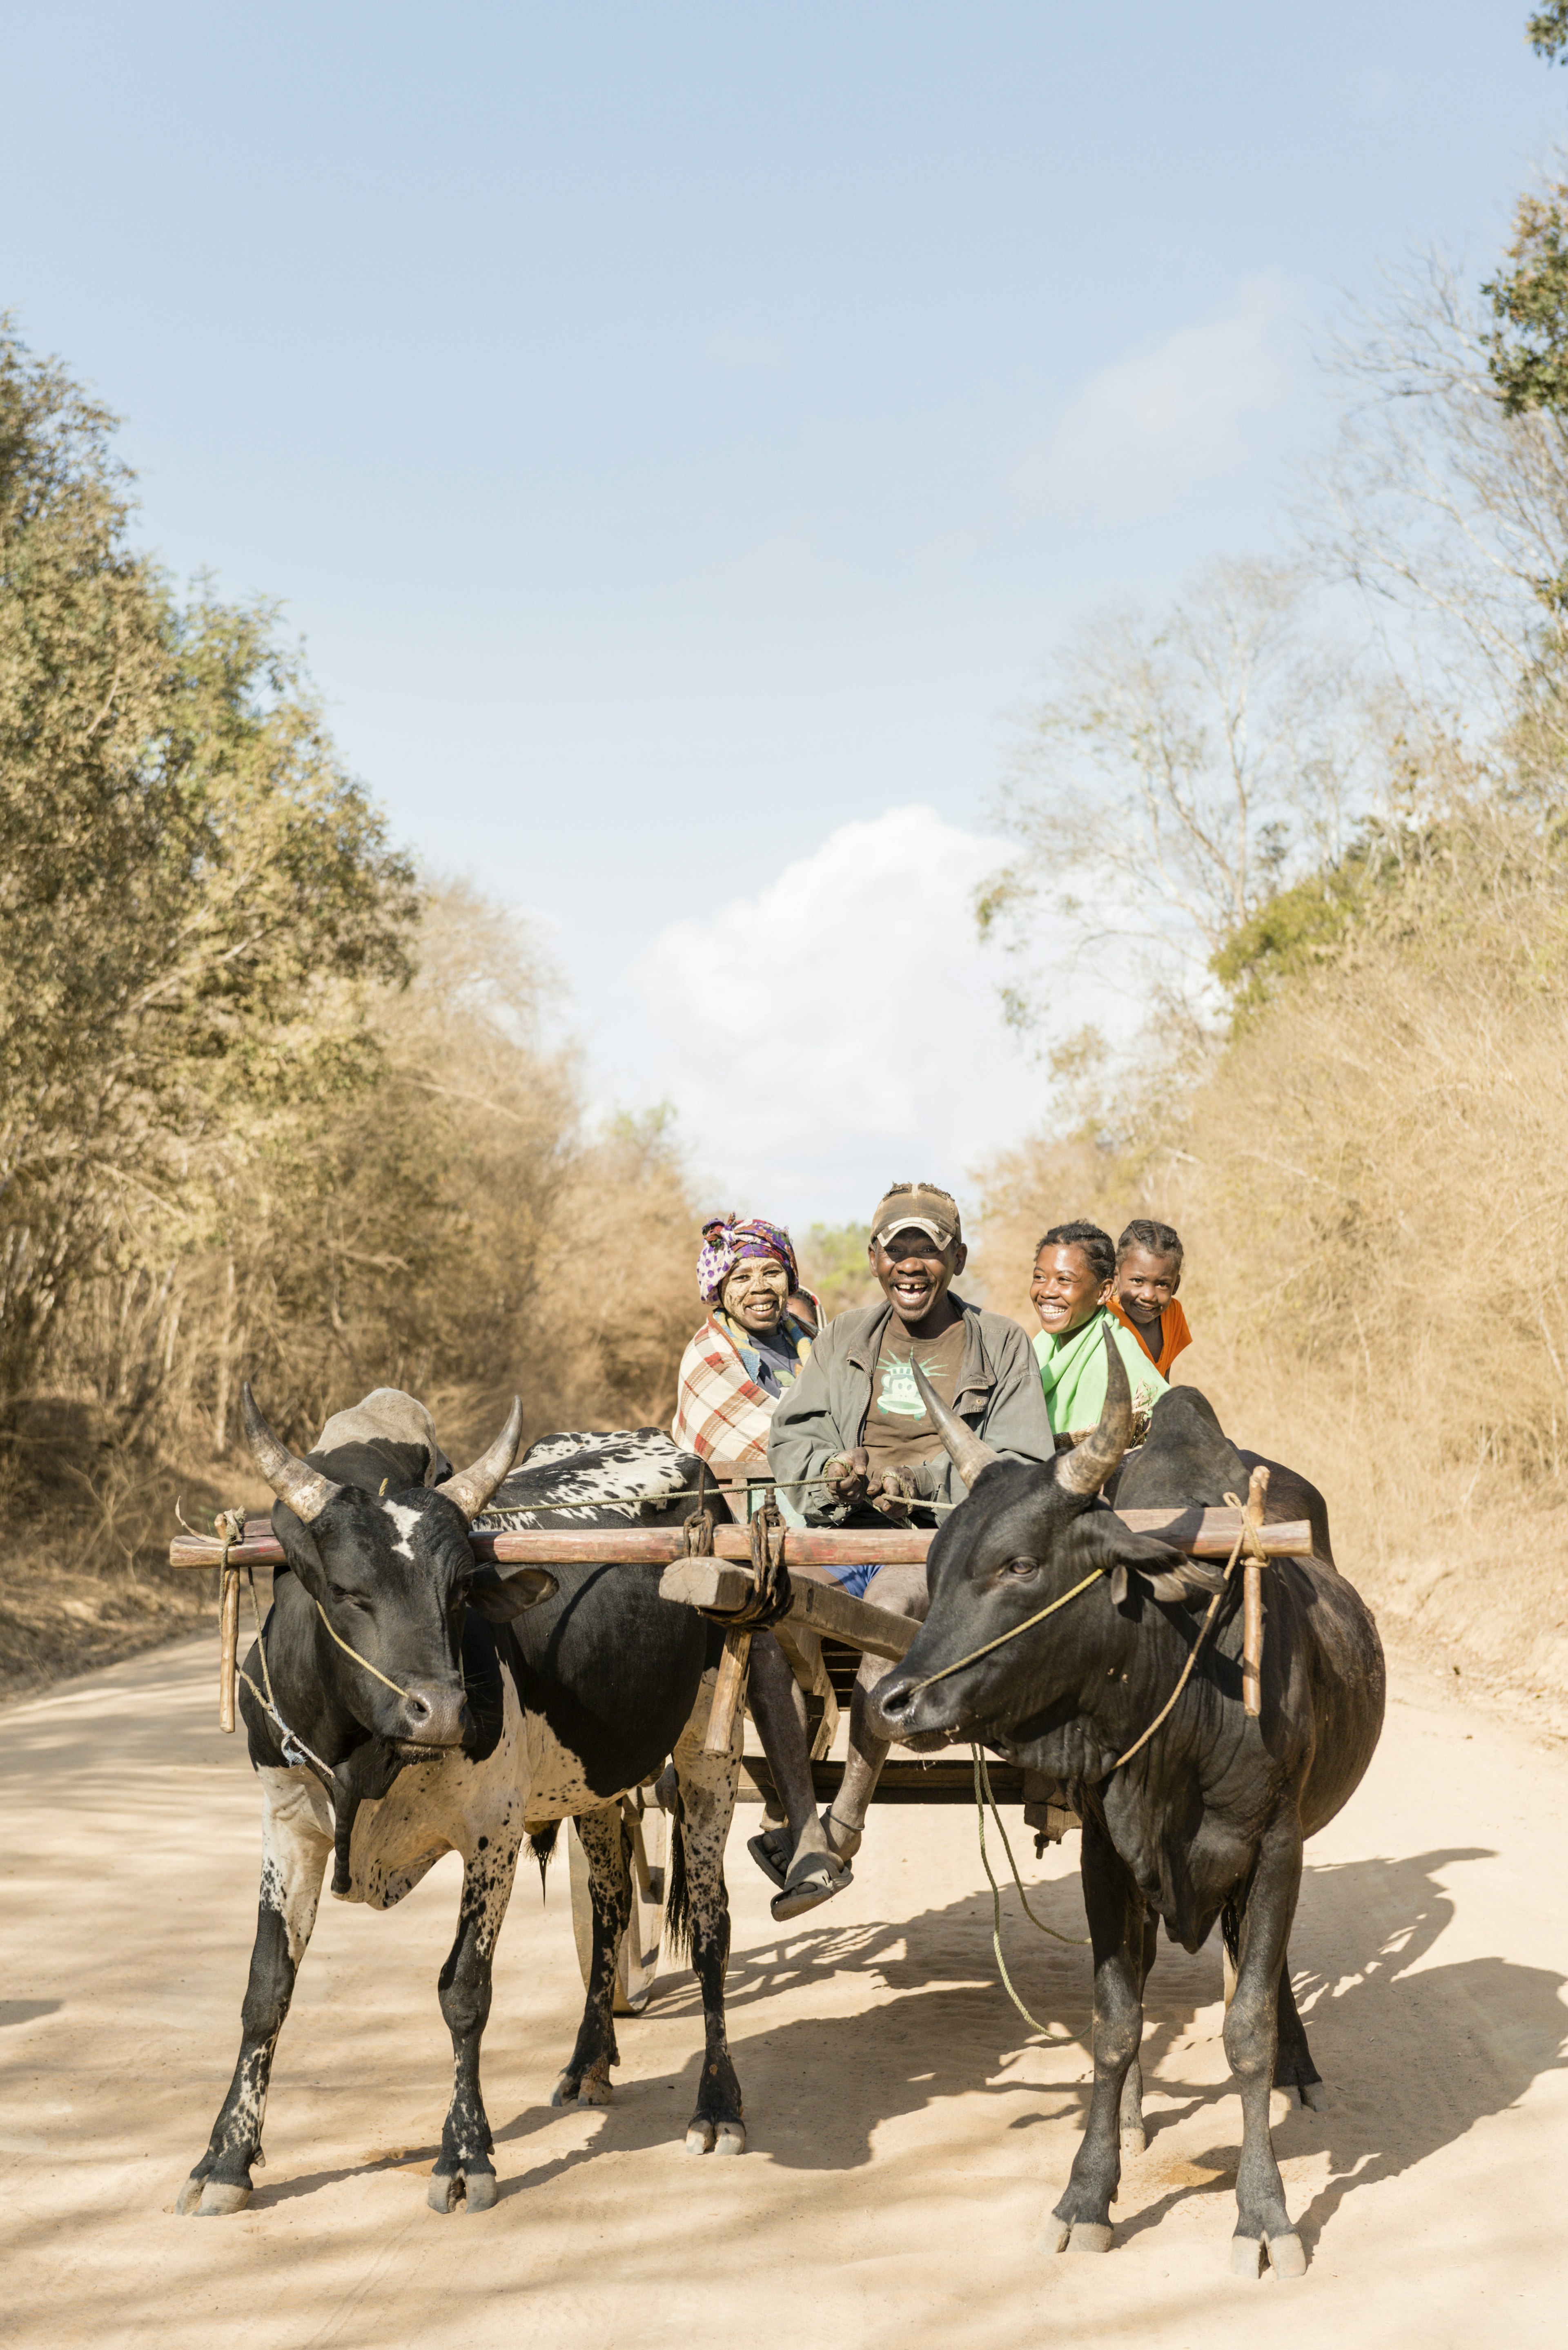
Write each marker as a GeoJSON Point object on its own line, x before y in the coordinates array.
{"type": "Point", "coordinates": [1074, 1268]}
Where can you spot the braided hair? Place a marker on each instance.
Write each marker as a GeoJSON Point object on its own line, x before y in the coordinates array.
{"type": "Point", "coordinates": [1099, 1251]}
{"type": "Point", "coordinates": [1160, 1239]}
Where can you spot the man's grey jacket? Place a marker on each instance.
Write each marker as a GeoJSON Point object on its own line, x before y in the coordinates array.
{"type": "Point", "coordinates": [824, 1412]}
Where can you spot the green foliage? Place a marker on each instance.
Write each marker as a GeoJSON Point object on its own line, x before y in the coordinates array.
{"type": "Point", "coordinates": [1296, 931]}
{"type": "Point", "coordinates": [1527, 352]}
{"type": "Point", "coordinates": [1547, 31]}
{"type": "Point", "coordinates": [194, 896]}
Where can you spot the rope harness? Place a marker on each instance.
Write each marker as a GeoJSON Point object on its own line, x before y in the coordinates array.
{"type": "Point", "coordinates": [1246, 1540]}
{"type": "Point", "coordinates": [295, 1749]}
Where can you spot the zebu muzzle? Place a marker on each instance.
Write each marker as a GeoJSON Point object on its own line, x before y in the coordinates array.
{"type": "Point", "coordinates": [435, 1719]}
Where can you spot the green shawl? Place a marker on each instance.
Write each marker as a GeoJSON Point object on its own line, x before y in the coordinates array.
{"type": "Point", "coordinates": [1073, 1374]}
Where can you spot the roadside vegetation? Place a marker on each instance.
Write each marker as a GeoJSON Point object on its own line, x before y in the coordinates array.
{"type": "Point", "coordinates": [272, 1103]}
{"type": "Point", "coordinates": [1328, 819]}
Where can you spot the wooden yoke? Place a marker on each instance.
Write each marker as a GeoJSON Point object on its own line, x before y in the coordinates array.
{"type": "Point", "coordinates": [1201, 1532]}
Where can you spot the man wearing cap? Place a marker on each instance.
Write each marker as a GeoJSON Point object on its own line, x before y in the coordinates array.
{"type": "Point", "coordinates": [854, 1423]}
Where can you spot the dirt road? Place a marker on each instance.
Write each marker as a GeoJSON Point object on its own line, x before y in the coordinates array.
{"type": "Point", "coordinates": [908, 2132]}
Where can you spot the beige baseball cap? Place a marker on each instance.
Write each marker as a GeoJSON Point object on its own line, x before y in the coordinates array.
{"type": "Point", "coordinates": [929, 1210]}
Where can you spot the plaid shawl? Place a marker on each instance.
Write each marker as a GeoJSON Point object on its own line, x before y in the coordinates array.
{"type": "Point", "coordinates": [721, 1412]}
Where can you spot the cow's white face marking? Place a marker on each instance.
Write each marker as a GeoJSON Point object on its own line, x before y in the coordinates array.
{"type": "Point", "coordinates": [405, 1520]}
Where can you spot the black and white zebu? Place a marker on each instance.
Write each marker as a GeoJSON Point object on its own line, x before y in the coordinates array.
{"type": "Point", "coordinates": [460, 1710]}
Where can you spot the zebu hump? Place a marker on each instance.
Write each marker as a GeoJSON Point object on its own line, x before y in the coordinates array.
{"type": "Point", "coordinates": [592, 1478]}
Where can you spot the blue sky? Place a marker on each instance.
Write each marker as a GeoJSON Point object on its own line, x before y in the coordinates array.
{"type": "Point", "coordinates": [680, 433]}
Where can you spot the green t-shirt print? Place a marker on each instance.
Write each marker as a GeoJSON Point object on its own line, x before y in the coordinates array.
{"type": "Point", "coordinates": [899, 1430]}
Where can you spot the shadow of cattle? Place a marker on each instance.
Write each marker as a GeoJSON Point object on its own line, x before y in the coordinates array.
{"type": "Point", "coordinates": [1414, 2053]}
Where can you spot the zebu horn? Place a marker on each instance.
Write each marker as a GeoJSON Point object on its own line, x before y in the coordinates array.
{"type": "Point", "coordinates": [1086, 1468]}
{"type": "Point", "coordinates": [471, 1489]}
{"type": "Point", "coordinates": [305, 1489]}
{"type": "Point", "coordinates": [969, 1456]}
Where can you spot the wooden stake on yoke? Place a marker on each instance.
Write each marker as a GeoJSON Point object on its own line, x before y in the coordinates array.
{"type": "Point", "coordinates": [232, 1526]}
{"type": "Point", "coordinates": [729, 1682]}
{"type": "Point", "coordinates": [1253, 1596]}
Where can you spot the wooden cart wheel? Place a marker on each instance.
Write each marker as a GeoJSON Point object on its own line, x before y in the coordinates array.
{"type": "Point", "coordinates": [644, 1832]}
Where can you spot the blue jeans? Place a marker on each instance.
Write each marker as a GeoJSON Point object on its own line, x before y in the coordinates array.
{"type": "Point", "coordinates": [854, 1579]}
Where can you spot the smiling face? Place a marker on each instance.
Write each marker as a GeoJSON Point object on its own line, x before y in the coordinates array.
{"type": "Point", "coordinates": [1145, 1284]}
{"type": "Point", "coordinates": [757, 1294]}
{"type": "Point", "coordinates": [1065, 1289]}
{"type": "Point", "coordinates": [915, 1273]}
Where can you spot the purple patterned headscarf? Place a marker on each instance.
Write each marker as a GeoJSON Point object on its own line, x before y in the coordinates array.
{"type": "Point", "coordinates": [726, 1241]}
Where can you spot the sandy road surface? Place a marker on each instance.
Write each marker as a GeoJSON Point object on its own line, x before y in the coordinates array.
{"type": "Point", "coordinates": [908, 2132]}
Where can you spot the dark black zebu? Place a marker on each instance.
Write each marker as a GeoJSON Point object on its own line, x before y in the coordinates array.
{"type": "Point", "coordinates": [1206, 1821]}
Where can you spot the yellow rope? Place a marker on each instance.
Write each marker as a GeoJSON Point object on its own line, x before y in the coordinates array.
{"type": "Point", "coordinates": [981, 1774]}
{"type": "Point", "coordinates": [359, 1659]}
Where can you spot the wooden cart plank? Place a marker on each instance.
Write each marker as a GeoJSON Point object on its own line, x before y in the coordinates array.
{"type": "Point", "coordinates": [818, 1608]}
{"type": "Point", "coordinates": [903, 1781]}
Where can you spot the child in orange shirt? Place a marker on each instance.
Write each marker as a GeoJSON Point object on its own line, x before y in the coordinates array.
{"type": "Point", "coordinates": [1149, 1275]}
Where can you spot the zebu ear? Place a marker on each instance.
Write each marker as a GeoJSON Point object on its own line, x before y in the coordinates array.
{"type": "Point", "coordinates": [500, 1597]}
{"type": "Point", "coordinates": [1143, 1566]}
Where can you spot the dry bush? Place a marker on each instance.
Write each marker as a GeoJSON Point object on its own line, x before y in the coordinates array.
{"type": "Point", "coordinates": [455, 1229]}
{"type": "Point", "coordinates": [1026, 1190]}
{"type": "Point", "coordinates": [1370, 1185]}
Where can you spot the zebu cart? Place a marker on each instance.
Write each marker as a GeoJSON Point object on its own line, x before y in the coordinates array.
{"type": "Point", "coordinates": [822, 1632]}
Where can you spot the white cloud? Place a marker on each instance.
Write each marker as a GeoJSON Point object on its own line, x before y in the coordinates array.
{"type": "Point", "coordinates": [1147, 429]}
{"type": "Point", "coordinates": [838, 1029]}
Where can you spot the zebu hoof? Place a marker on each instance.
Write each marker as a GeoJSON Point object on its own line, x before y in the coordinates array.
{"type": "Point", "coordinates": [700, 2136]}
{"type": "Point", "coordinates": [1283, 2252]}
{"type": "Point", "coordinates": [458, 2191]}
{"type": "Point", "coordinates": [592, 2089]}
{"type": "Point", "coordinates": [1314, 2095]}
{"type": "Point", "coordinates": [213, 2199]}
{"type": "Point", "coordinates": [731, 2138]}
{"type": "Point", "coordinates": [1077, 2235]}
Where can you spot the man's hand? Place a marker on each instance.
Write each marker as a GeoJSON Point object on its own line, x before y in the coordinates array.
{"type": "Point", "coordinates": [849, 1480]}
{"type": "Point", "coordinates": [896, 1492]}
{"type": "Point", "coordinates": [847, 1476]}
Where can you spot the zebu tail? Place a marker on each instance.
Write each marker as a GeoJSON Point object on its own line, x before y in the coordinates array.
{"type": "Point", "coordinates": [678, 1898]}
{"type": "Point", "coordinates": [541, 1845]}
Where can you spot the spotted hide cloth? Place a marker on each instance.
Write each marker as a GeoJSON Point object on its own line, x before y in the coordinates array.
{"type": "Point", "coordinates": [623, 1476]}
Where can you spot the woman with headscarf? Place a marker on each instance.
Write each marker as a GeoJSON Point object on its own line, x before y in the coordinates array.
{"type": "Point", "coordinates": [747, 1354]}
{"type": "Point", "coordinates": [749, 1350]}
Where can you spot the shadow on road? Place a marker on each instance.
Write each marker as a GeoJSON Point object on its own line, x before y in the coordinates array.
{"type": "Point", "coordinates": [1414, 2053]}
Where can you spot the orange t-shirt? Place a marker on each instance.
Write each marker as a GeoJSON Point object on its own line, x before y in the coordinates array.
{"type": "Point", "coordinates": [1174, 1334]}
